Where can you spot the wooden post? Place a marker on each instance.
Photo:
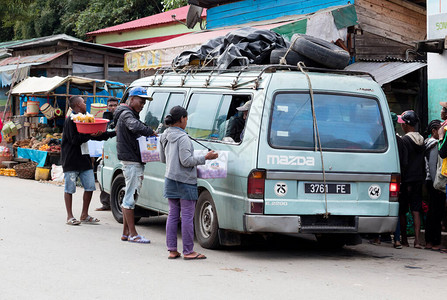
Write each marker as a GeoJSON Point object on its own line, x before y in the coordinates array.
{"type": "Point", "coordinates": [94, 91]}
{"type": "Point", "coordinates": [106, 67]}
{"type": "Point", "coordinates": [67, 97]}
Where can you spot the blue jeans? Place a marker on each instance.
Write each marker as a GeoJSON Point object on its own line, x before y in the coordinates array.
{"type": "Point", "coordinates": [133, 175]}
{"type": "Point", "coordinates": [87, 179]}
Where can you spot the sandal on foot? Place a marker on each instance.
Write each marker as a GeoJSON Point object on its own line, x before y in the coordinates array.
{"type": "Point", "coordinates": [124, 238]}
{"type": "Point", "coordinates": [138, 239]}
{"type": "Point", "coordinates": [397, 245]}
{"type": "Point", "coordinates": [174, 255]}
{"type": "Point", "coordinates": [90, 220]}
{"type": "Point", "coordinates": [417, 246]}
{"type": "Point", "coordinates": [197, 256]}
{"type": "Point", "coordinates": [73, 221]}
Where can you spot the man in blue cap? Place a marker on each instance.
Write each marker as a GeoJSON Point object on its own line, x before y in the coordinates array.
{"type": "Point", "coordinates": [129, 128]}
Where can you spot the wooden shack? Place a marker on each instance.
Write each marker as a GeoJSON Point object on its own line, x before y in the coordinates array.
{"type": "Point", "coordinates": [63, 55]}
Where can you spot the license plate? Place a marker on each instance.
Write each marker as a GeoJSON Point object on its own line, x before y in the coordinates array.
{"type": "Point", "coordinates": [331, 188]}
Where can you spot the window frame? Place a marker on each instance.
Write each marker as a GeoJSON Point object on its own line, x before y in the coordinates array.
{"type": "Point", "coordinates": [375, 99]}
{"type": "Point", "coordinates": [222, 94]}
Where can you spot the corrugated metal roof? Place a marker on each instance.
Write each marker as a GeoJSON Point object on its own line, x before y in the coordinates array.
{"type": "Point", "coordinates": [32, 59]}
{"type": "Point", "coordinates": [13, 44]}
{"type": "Point", "coordinates": [386, 71]}
{"type": "Point", "coordinates": [158, 19]}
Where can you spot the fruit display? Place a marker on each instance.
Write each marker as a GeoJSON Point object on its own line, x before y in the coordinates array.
{"type": "Point", "coordinates": [87, 118]}
{"type": "Point", "coordinates": [8, 172]}
{"type": "Point", "coordinates": [50, 143]}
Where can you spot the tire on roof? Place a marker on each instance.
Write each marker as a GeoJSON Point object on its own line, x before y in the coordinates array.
{"type": "Point", "coordinates": [321, 51]}
{"type": "Point", "coordinates": [292, 58]}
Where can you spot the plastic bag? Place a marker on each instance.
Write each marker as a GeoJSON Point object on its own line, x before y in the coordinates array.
{"type": "Point", "coordinates": [440, 180]}
{"type": "Point", "coordinates": [57, 173]}
{"type": "Point", "coordinates": [216, 168]}
{"type": "Point", "coordinates": [149, 148]}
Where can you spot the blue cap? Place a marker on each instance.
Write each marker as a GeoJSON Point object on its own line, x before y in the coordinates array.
{"type": "Point", "coordinates": [139, 91]}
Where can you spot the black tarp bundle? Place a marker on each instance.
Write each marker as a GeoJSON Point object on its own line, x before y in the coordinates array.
{"type": "Point", "coordinates": [230, 50]}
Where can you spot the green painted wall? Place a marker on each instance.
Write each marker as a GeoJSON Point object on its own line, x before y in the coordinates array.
{"type": "Point", "coordinates": [144, 33]}
{"type": "Point", "coordinates": [437, 92]}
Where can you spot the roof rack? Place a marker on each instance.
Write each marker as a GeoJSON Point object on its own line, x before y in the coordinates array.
{"type": "Point", "coordinates": [184, 72]}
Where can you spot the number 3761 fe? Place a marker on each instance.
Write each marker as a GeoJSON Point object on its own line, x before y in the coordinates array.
{"type": "Point", "coordinates": [329, 188]}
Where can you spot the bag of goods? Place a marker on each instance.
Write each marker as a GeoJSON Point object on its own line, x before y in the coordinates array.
{"type": "Point", "coordinates": [216, 168]}
{"type": "Point", "coordinates": [57, 174]}
{"type": "Point", "coordinates": [149, 148]}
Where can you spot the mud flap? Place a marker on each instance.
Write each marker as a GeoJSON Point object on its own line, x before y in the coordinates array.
{"type": "Point", "coordinates": [229, 238]}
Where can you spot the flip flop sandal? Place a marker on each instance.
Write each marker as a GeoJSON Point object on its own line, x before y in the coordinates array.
{"type": "Point", "coordinates": [73, 221]}
{"type": "Point", "coordinates": [124, 238]}
{"type": "Point", "coordinates": [138, 239]}
{"type": "Point", "coordinates": [198, 256]}
{"type": "Point", "coordinates": [90, 220]}
{"type": "Point", "coordinates": [177, 255]}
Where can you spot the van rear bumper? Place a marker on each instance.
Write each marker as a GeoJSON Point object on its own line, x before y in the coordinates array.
{"type": "Point", "coordinates": [293, 224]}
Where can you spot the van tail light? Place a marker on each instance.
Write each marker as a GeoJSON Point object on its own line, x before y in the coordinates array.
{"type": "Point", "coordinates": [394, 187]}
{"type": "Point", "coordinates": [256, 184]}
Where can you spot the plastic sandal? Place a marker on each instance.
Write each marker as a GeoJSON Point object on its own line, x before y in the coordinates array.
{"type": "Point", "coordinates": [73, 221]}
{"type": "Point", "coordinates": [90, 220]}
{"type": "Point", "coordinates": [138, 239]}
{"type": "Point", "coordinates": [124, 238]}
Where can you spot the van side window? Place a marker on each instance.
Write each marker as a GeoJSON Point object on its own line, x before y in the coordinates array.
{"type": "Point", "coordinates": [160, 107]}
{"type": "Point", "coordinates": [155, 111]}
{"type": "Point", "coordinates": [212, 116]}
{"type": "Point", "coordinates": [344, 122]}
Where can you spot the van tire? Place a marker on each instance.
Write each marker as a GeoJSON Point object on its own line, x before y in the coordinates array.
{"type": "Point", "coordinates": [292, 58]}
{"type": "Point", "coordinates": [116, 198]}
{"type": "Point", "coordinates": [321, 51]}
{"type": "Point", "coordinates": [205, 222]}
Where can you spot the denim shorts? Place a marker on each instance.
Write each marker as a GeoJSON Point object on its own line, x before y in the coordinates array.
{"type": "Point", "coordinates": [87, 179]}
{"type": "Point", "coordinates": [133, 175]}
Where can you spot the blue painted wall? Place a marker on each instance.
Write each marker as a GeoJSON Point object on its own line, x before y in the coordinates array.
{"type": "Point", "coordinates": [259, 10]}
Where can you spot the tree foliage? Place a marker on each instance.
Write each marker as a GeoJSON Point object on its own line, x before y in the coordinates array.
{"type": "Point", "coordinates": [36, 18]}
{"type": "Point", "coordinates": [171, 4]}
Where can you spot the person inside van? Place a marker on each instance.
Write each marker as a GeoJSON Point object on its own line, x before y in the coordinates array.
{"type": "Point", "coordinates": [236, 124]}
{"type": "Point", "coordinates": [413, 175]}
{"type": "Point", "coordinates": [180, 188]}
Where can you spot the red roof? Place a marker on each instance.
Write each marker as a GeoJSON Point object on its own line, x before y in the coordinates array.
{"type": "Point", "coordinates": [158, 19]}
{"type": "Point", "coordinates": [144, 42]}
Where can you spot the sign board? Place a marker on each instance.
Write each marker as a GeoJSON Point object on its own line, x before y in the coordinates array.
{"type": "Point", "coordinates": [134, 61]}
{"type": "Point", "coordinates": [437, 26]}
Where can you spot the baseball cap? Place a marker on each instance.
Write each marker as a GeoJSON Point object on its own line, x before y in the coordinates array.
{"type": "Point", "coordinates": [245, 107]}
{"type": "Point", "coordinates": [408, 117]}
{"type": "Point", "coordinates": [140, 91]}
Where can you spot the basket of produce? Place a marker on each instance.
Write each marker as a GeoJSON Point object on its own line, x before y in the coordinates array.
{"type": "Point", "coordinates": [88, 124]}
{"type": "Point", "coordinates": [26, 170]}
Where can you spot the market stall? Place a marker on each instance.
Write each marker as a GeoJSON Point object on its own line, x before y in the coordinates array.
{"type": "Point", "coordinates": [39, 107]}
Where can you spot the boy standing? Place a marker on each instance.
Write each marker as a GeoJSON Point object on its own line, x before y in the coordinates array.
{"type": "Point", "coordinates": [413, 175]}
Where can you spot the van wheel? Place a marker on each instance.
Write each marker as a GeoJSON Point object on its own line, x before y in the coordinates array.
{"type": "Point", "coordinates": [205, 222]}
{"type": "Point", "coordinates": [321, 51]}
{"type": "Point", "coordinates": [116, 198]}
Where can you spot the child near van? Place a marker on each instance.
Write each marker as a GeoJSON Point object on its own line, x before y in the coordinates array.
{"type": "Point", "coordinates": [413, 175]}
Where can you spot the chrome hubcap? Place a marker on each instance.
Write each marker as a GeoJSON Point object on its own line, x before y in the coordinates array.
{"type": "Point", "coordinates": [206, 219]}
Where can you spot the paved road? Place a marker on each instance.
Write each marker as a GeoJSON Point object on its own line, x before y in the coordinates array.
{"type": "Point", "coordinates": [42, 258]}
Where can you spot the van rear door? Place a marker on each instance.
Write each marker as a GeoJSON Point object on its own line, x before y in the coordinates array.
{"type": "Point", "coordinates": [358, 154]}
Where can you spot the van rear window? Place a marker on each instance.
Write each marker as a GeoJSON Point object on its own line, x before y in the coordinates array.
{"type": "Point", "coordinates": [345, 122]}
